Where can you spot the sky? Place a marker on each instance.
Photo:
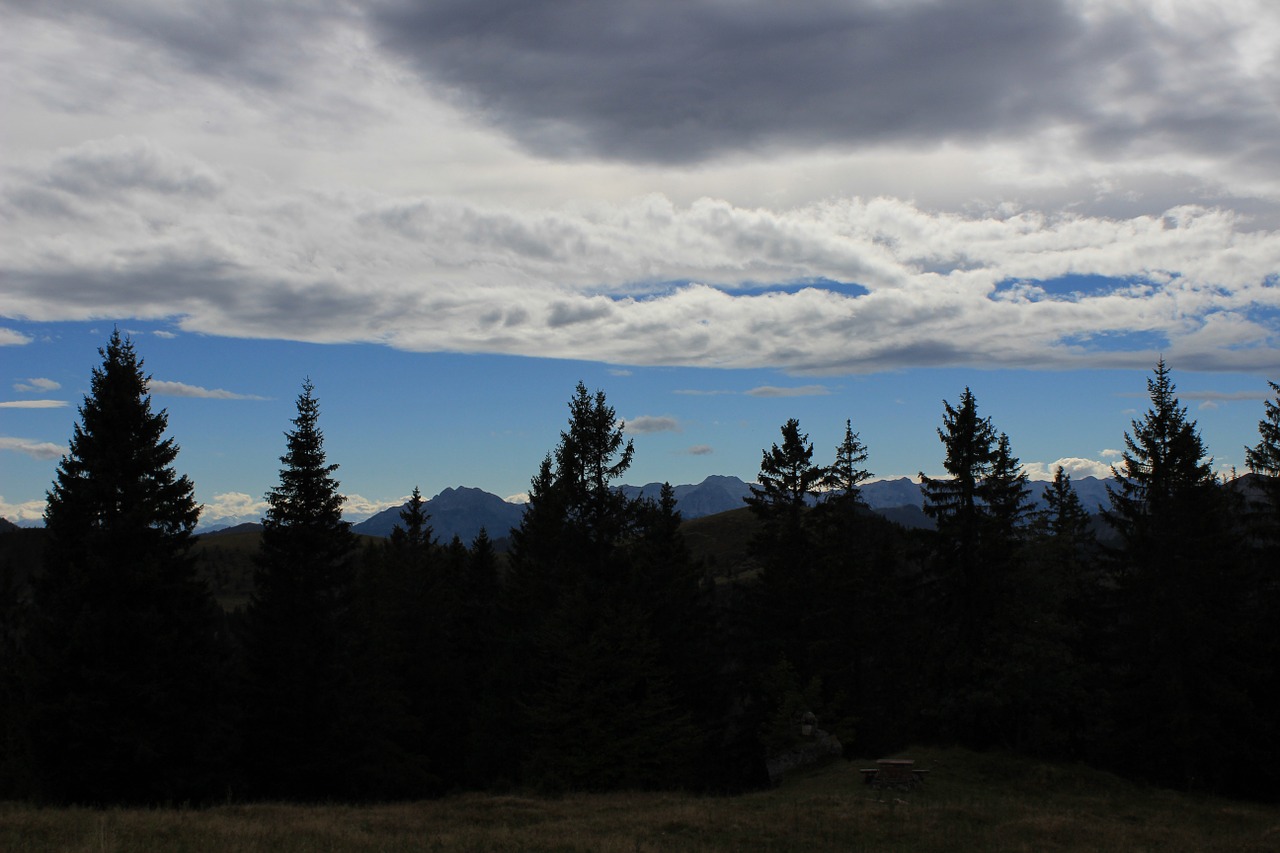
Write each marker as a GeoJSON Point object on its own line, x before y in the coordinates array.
{"type": "Point", "coordinates": [723, 214]}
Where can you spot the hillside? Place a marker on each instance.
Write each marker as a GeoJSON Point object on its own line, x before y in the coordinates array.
{"type": "Point", "coordinates": [971, 801]}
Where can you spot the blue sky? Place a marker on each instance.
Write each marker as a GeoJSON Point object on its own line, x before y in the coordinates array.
{"type": "Point", "coordinates": [395, 419]}
{"type": "Point", "coordinates": [448, 213]}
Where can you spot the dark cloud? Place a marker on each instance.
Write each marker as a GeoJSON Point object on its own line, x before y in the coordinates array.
{"type": "Point", "coordinates": [253, 42]}
{"type": "Point", "coordinates": [676, 80]}
{"type": "Point", "coordinates": [684, 80]}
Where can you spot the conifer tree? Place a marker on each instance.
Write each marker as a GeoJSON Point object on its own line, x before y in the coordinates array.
{"type": "Point", "coordinates": [1064, 516]}
{"type": "Point", "coordinates": [975, 575]}
{"type": "Point", "coordinates": [969, 443]}
{"type": "Point", "coordinates": [788, 480]}
{"type": "Point", "coordinates": [597, 706]}
{"type": "Point", "coordinates": [956, 503]}
{"type": "Point", "coordinates": [1164, 464]}
{"type": "Point", "coordinates": [1071, 620]}
{"type": "Point", "coordinates": [400, 596]}
{"type": "Point", "coordinates": [844, 478]}
{"type": "Point", "coordinates": [788, 477]}
{"type": "Point", "coordinates": [592, 454]}
{"type": "Point", "coordinates": [1264, 459]}
{"type": "Point", "coordinates": [1183, 705]}
{"type": "Point", "coordinates": [124, 642]}
{"type": "Point", "coordinates": [301, 737]}
{"type": "Point", "coordinates": [1005, 490]}
{"type": "Point", "coordinates": [784, 633]}
{"type": "Point", "coordinates": [416, 532]}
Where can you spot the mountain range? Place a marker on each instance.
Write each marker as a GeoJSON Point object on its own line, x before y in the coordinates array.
{"type": "Point", "coordinates": [463, 511]}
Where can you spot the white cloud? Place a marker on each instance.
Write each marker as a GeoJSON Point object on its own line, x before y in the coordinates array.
{"type": "Point", "coordinates": [700, 450]}
{"type": "Point", "coordinates": [33, 404]}
{"type": "Point", "coordinates": [37, 384]}
{"type": "Point", "coordinates": [237, 505]}
{"type": "Point", "coordinates": [240, 506]}
{"type": "Point", "coordinates": [168, 336]}
{"type": "Point", "coordinates": [800, 391]}
{"type": "Point", "coordinates": [1075, 466]}
{"type": "Point", "coordinates": [8, 337]}
{"type": "Point", "coordinates": [1111, 453]}
{"type": "Point", "coordinates": [518, 498]}
{"type": "Point", "coordinates": [652, 423]}
{"type": "Point", "coordinates": [33, 448]}
{"type": "Point", "coordinates": [181, 389]}
{"type": "Point", "coordinates": [27, 511]}
{"type": "Point", "coordinates": [573, 282]}
{"type": "Point", "coordinates": [358, 507]}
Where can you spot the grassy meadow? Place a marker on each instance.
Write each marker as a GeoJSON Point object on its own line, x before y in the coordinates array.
{"type": "Point", "coordinates": [970, 802]}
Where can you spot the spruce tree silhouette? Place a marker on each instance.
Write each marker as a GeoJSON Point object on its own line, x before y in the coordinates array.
{"type": "Point", "coordinates": [301, 734]}
{"type": "Point", "coordinates": [124, 641]}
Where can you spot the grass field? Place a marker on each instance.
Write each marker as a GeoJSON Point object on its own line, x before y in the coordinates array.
{"type": "Point", "coordinates": [970, 802]}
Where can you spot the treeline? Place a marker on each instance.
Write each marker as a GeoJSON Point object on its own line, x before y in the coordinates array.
{"type": "Point", "coordinates": [598, 655]}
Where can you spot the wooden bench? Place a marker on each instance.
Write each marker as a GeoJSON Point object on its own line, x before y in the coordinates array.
{"type": "Point", "coordinates": [897, 773]}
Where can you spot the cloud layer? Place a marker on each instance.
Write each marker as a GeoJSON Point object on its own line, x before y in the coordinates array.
{"type": "Point", "coordinates": [181, 389]}
{"type": "Point", "coordinates": [820, 187]}
{"type": "Point", "coordinates": [32, 447]}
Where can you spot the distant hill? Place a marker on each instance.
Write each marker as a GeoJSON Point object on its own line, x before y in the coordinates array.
{"type": "Point", "coordinates": [7, 525]}
{"type": "Point", "coordinates": [246, 527]}
{"type": "Point", "coordinates": [457, 512]}
{"type": "Point", "coordinates": [713, 495]}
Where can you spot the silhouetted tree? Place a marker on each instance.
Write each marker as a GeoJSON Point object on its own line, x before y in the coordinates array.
{"type": "Point", "coordinates": [788, 479]}
{"type": "Point", "coordinates": [124, 643]}
{"type": "Point", "coordinates": [843, 480]}
{"type": "Point", "coordinates": [1183, 710]}
{"type": "Point", "coordinates": [1005, 492]}
{"type": "Point", "coordinates": [955, 503]}
{"type": "Point", "coordinates": [976, 576]}
{"type": "Point", "coordinates": [781, 603]}
{"type": "Point", "coordinates": [400, 652]}
{"type": "Point", "coordinates": [1264, 459]}
{"type": "Point", "coordinates": [16, 771]}
{"type": "Point", "coordinates": [592, 454]}
{"type": "Point", "coordinates": [302, 737]}
{"type": "Point", "coordinates": [1070, 619]}
{"type": "Point", "coordinates": [969, 442]}
{"type": "Point", "coordinates": [1063, 516]}
{"type": "Point", "coordinates": [598, 705]}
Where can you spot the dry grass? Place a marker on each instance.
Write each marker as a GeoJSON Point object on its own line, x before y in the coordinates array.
{"type": "Point", "coordinates": [971, 802]}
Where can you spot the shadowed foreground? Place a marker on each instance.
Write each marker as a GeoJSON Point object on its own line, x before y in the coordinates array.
{"type": "Point", "coordinates": [971, 802]}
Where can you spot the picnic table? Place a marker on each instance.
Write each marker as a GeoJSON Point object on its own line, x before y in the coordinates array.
{"type": "Point", "coordinates": [898, 773]}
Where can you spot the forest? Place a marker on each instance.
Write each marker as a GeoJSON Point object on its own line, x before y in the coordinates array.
{"type": "Point", "coordinates": [597, 654]}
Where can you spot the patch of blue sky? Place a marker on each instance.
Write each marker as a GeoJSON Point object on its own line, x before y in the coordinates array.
{"type": "Point", "coordinates": [845, 288]}
{"type": "Point", "coordinates": [1263, 315]}
{"type": "Point", "coordinates": [1068, 287]}
{"type": "Point", "coordinates": [1131, 341]}
{"type": "Point", "coordinates": [659, 289]}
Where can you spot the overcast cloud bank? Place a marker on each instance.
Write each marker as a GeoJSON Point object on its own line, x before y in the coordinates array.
{"type": "Point", "coordinates": [1132, 142]}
